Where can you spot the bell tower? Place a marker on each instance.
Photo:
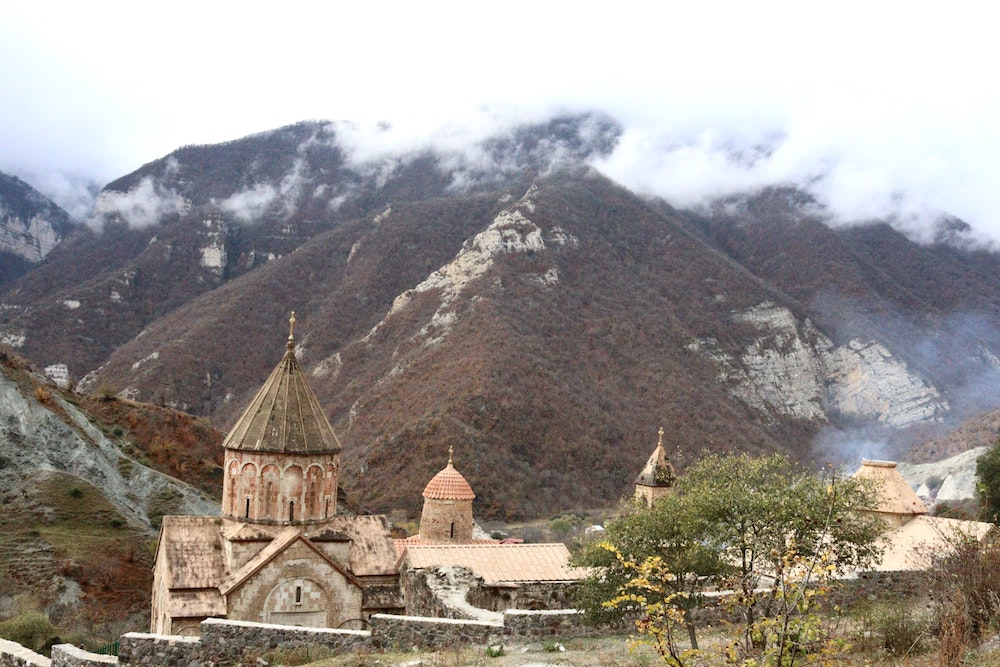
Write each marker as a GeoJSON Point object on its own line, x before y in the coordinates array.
{"type": "Point", "coordinates": [282, 457]}
{"type": "Point", "coordinates": [447, 515]}
{"type": "Point", "coordinates": [657, 477]}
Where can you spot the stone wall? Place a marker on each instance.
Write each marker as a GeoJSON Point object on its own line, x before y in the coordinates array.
{"type": "Point", "coordinates": [533, 596]}
{"type": "Point", "coordinates": [389, 631]}
{"type": "Point", "coordinates": [67, 655]}
{"type": "Point", "coordinates": [525, 624]}
{"type": "Point", "coordinates": [13, 654]}
{"type": "Point", "coordinates": [140, 648]}
{"type": "Point", "coordinates": [224, 641]}
{"type": "Point", "coordinates": [227, 642]}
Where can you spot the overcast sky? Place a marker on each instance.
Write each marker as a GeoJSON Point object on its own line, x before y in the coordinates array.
{"type": "Point", "coordinates": [878, 108]}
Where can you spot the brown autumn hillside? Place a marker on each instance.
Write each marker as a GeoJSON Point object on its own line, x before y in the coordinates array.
{"type": "Point", "coordinates": [518, 306]}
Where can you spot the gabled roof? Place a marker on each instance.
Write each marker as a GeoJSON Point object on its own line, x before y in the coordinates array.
{"type": "Point", "coordinates": [498, 563]}
{"type": "Point", "coordinates": [284, 417]}
{"type": "Point", "coordinates": [282, 541]}
{"type": "Point", "coordinates": [896, 496]}
{"type": "Point", "coordinates": [403, 543]}
{"type": "Point", "coordinates": [192, 547]}
{"type": "Point", "coordinates": [658, 470]}
{"type": "Point", "coordinates": [372, 551]}
{"type": "Point", "coordinates": [908, 547]}
{"type": "Point", "coordinates": [449, 484]}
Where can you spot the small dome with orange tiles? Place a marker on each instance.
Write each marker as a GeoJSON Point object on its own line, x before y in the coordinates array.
{"type": "Point", "coordinates": [449, 484]}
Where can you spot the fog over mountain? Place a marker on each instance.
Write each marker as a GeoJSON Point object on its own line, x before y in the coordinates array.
{"type": "Point", "coordinates": [884, 116]}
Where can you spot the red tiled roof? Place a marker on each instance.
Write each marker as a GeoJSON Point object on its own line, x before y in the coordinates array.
{"type": "Point", "coordinates": [449, 485]}
{"type": "Point", "coordinates": [498, 563]}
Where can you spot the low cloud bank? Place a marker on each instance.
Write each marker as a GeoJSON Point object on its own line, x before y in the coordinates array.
{"type": "Point", "coordinates": [143, 205]}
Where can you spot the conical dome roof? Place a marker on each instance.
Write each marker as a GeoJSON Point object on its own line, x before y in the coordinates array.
{"type": "Point", "coordinates": [658, 470]}
{"type": "Point", "coordinates": [449, 484]}
{"type": "Point", "coordinates": [896, 496]}
{"type": "Point", "coordinates": [284, 417]}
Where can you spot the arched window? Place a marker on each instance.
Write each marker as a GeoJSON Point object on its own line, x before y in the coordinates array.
{"type": "Point", "coordinates": [452, 531]}
{"type": "Point", "coordinates": [247, 515]}
{"type": "Point", "coordinates": [291, 511]}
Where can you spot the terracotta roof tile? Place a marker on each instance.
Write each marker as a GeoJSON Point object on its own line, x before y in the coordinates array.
{"type": "Point", "coordinates": [498, 563]}
{"type": "Point", "coordinates": [449, 484]}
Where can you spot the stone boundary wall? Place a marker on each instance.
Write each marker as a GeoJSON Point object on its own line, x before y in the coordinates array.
{"type": "Point", "coordinates": [224, 641]}
{"type": "Point", "coordinates": [389, 630]}
{"type": "Point", "coordinates": [13, 654]}
{"type": "Point", "coordinates": [527, 624]}
{"type": "Point", "coordinates": [227, 641]}
{"type": "Point", "coordinates": [67, 655]}
{"type": "Point", "coordinates": [140, 648]}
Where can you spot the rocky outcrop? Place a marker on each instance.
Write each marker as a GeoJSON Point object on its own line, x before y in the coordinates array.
{"type": "Point", "coordinates": [510, 232]}
{"type": "Point", "coordinates": [791, 369]}
{"type": "Point", "coordinates": [951, 480]}
{"type": "Point", "coordinates": [30, 224]}
{"type": "Point", "coordinates": [34, 438]}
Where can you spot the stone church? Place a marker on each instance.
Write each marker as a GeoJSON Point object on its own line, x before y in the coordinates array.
{"type": "Point", "coordinates": [279, 553]}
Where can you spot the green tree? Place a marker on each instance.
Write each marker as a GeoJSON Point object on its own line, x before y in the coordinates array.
{"type": "Point", "coordinates": [744, 523]}
{"type": "Point", "coordinates": [758, 506]}
{"type": "Point", "coordinates": [988, 483]}
{"type": "Point", "coordinates": [674, 531]}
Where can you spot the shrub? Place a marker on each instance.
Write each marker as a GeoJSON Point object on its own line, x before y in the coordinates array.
{"type": "Point", "coordinates": [964, 585]}
{"type": "Point", "coordinates": [893, 628]}
{"type": "Point", "coordinates": [31, 629]}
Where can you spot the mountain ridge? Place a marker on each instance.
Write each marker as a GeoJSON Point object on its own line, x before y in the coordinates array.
{"type": "Point", "coordinates": [537, 316]}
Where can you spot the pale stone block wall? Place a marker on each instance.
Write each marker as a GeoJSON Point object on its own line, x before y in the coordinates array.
{"type": "Point", "coordinates": [67, 655]}
{"type": "Point", "coordinates": [13, 654]}
{"type": "Point", "coordinates": [270, 592]}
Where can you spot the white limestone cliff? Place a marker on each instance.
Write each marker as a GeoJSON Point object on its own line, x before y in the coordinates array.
{"type": "Point", "coordinates": [950, 480]}
{"type": "Point", "coordinates": [792, 370]}
{"type": "Point", "coordinates": [32, 239]}
{"type": "Point", "coordinates": [511, 231]}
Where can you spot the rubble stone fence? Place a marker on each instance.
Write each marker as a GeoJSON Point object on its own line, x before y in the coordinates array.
{"type": "Point", "coordinates": [392, 631]}
{"type": "Point", "coordinates": [67, 655]}
{"type": "Point", "coordinates": [528, 624]}
{"type": "Point", "coordinates": [13, 654]}
{"type": "Point", "coordinates": [225, 642]}
{"type": "Point", "coordinates": [141, 648]}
